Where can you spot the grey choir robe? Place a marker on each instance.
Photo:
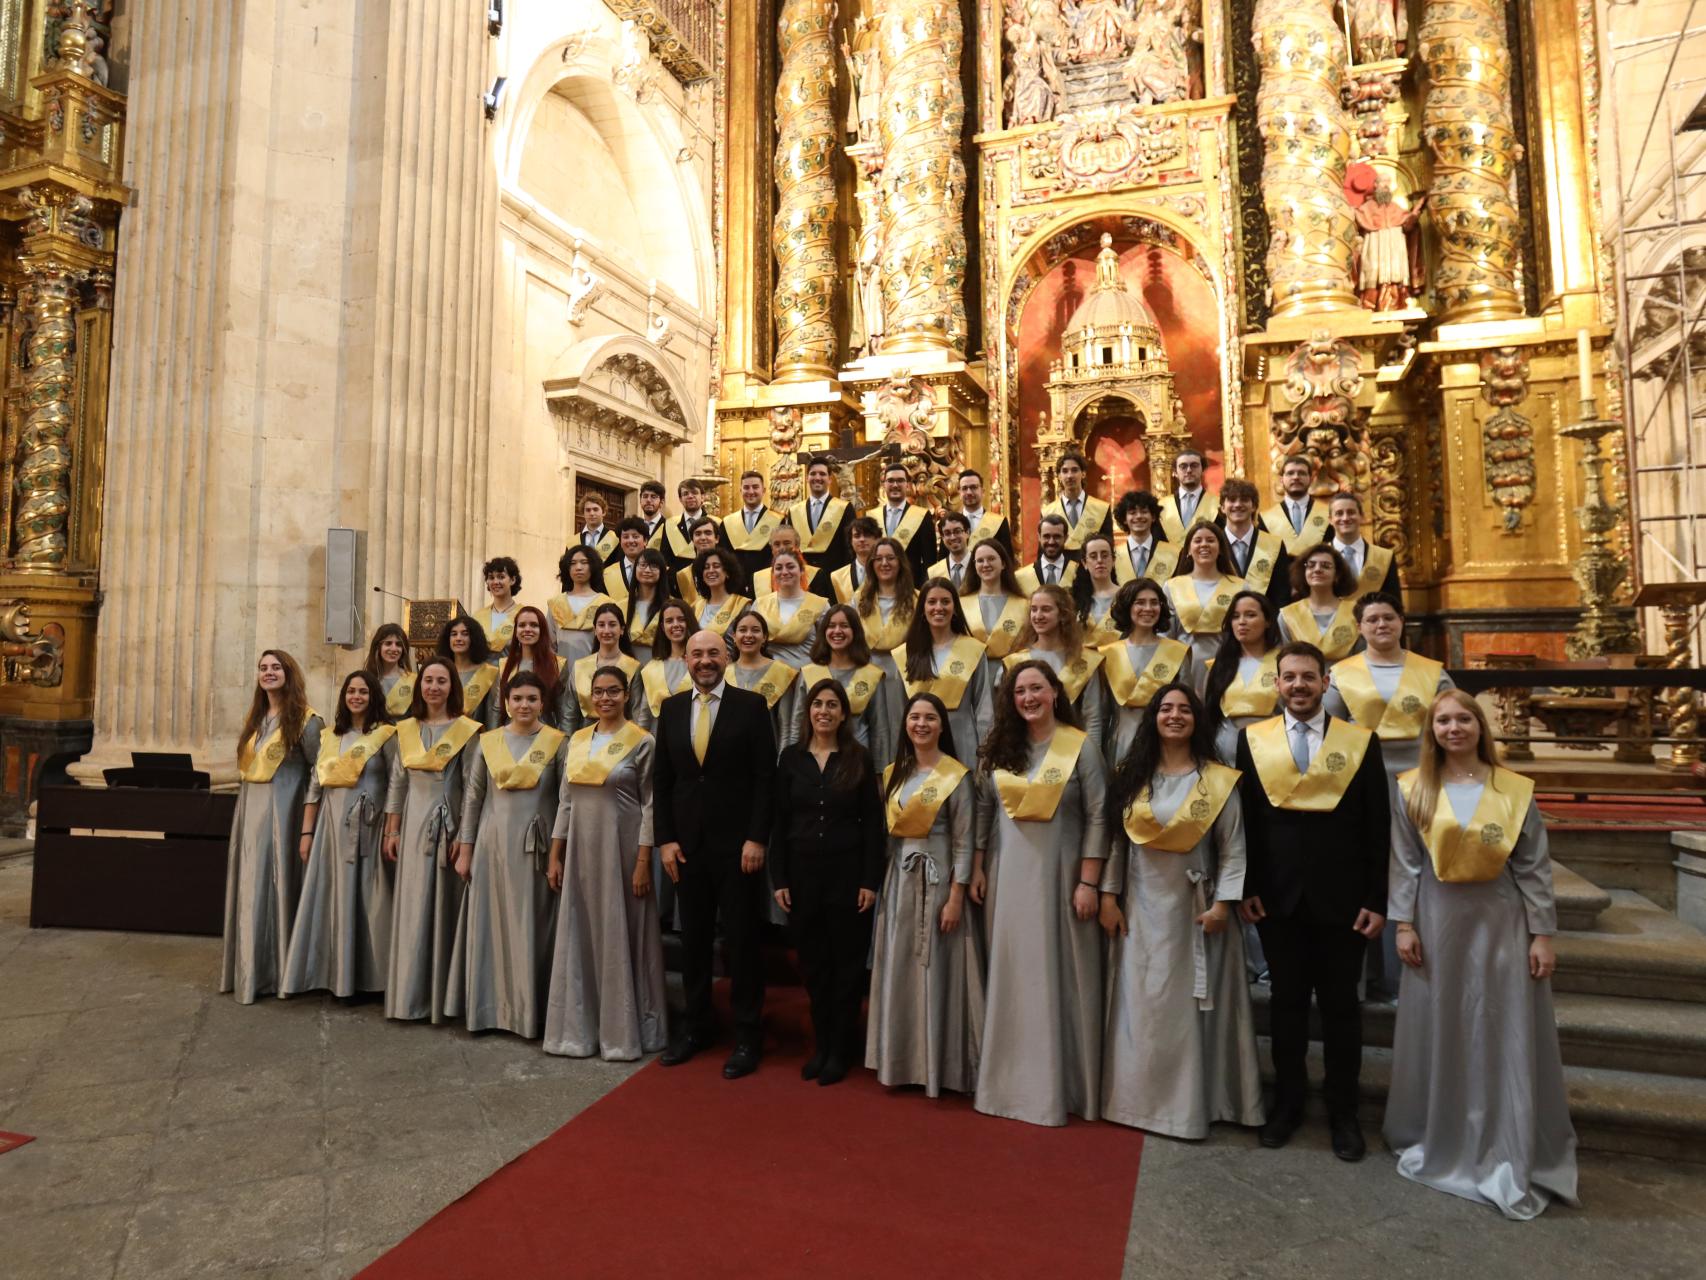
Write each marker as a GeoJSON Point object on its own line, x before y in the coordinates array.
{"type": "Point", "coordinates": [1042, 1029]}
{"type": "Point", "coordinates": [606, 992]}
{"type": "Point", "coordinates": [927, 1001]}
{"type": "Point", "coordinates": [1478, 1106]}
{"type": "Point", "coordinates": [502, 957]}
{"type": "Point", "coordinates": [1124, 721]}
{"type": "Point", "coordinates": [1179, 1052]}
{"type": "Point", "coordinates": [341, 940]}
{"type": "Point", "coordinates": [1204, 644]}
{"type": "Point", "coordinates": [1092, 703]}
{"type": "Point", "coordinates": [969, 723]}
{"type": "Point", "coordinates": [871, 727]}
{"type": "Point", "coordinates": [1399, 755]}
{"type": "Point", "coordinates": [263, 872]}
{"type": "Point", "coordinates": [428, 892]}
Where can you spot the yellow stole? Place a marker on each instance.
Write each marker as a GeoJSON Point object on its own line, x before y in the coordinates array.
{"type": "Point", "coordinates": [510, 774]}
{"type": "Point", "coordinates": [656, 683]}
{"type": "Point", "coordinates": [1339, 636]}
{"type": "Point", "coordinates": [908, 527]}
{"type": "Point", "coordinates": [1259, 699]}
{"type": "Point", "coordinates": [1188, 825]}
{"type": "Point", "coordinates": [1194, 616]}
{"type": "Point", "coordinates": [1035, 801]}
{"type": "Point", "coordinates": [415, 753]}
{"type": "Point", "coordinates": [1403, 717]}
{"type": "Point", "coordinates": [1091, 517]}
{"type": "Point", "coordinates": [402, 694]}
{"type": "Point", "coordinates": [655, 542]}
{"type": "Point", "coordinates": [882, 636]}
{"type": "Point", "coordinates": [1074, 675]}
{"type": "Point", "coordinates": [614, 586]}
{"type": "Point", "coordinates": [949, 684]}
{"type": "Point", "coordinates": [685, 587]}
{"type": "Point", "coordinates": [797, 628]}
{"type": "Point", "coordinates": [1030, 578]}
{"type": "Point", "coordinates": [258, 762]}
{"type": "Point", "coordinates": [477, 683]}
{"type": "Point", "coordinates": [1133, 688]}
{"type": "Point", "coordinates": [817, 541]}
{"type": "Point", "coordinates": [1330, 772]}
{"type": "Point", "coordinates": [644, 633]}
{"type": "Point", "coordinates": [988, 526]}
{"type": "Point", "coordinates": [1374, 568]}
{"type": "Point", "coordinates": [998, 640]}
{"type": "Point", "coordinates": [1313, 534]}
{"type": "Point", "coordinates": [1163, 562]}
{"type": "Point", "coordinates": [580, 765]}
{"type": "Point", "coordinates": [337, 768]}
{"type": "Point", "coordinates": [680, 545]}
{"type": "Point", "coordinates": [582, 676]}
{"type": "Point", "coordinates": [842, 581]}
{"type": "Point", "coordinates": [773, 683]}
{"type": "Point", "coordinates": [723, 618]}
{"type": "Point", "coordinates": [1099, 632]}
{"type": "Point", "coordinates": [758, 538]}
{"type": "Point", "coordinates": [859, 688]}
{"type": "Point", "coordinates": [497, 637]}
{"type": "Point", "coordinates": [1478, 852]}
{"type": "Point", "coordinates": [1208, 508]}
{"type": "Point", "coordinates": [913, 820]}
{"type": "Point", "coordinates": [603, 547]}
{"type": "Point", "coordinates": [566, 619]}
{"type": "Point", "coordinates": [1264, 555]}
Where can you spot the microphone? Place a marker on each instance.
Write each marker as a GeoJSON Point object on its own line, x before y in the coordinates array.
{"type": "Point", "coordinates": [383, 592]}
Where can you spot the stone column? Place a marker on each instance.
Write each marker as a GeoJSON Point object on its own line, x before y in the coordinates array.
{"type": "Point", "coordinates": [923, 178]}
{"type": "Point", "coordinates": [1306, 145]}
{"type": "Point", "coordinates": [803, 235]}
{"type": "Point", "coordinates": [1466, 120]}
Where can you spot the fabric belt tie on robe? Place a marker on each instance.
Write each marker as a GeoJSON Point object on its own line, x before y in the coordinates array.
{"type": "Point", "coordinates": [359, 815]}
{"type": "Point", "coordinates": [534, 845]}
{"type": "Point", "coordinates": [438, 828]}
{"type": "Point", "coordinates": [1199, 942]}
{"type": "Point", "coordinates": [913, 860]}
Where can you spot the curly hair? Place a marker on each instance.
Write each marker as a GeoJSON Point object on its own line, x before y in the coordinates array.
{"type": "Point", "coordinates": [1008, 745]}
{"type": "Point", "coordinates": [1127, 596]}
{"type": "Point", "coordinates": [1136, 772]}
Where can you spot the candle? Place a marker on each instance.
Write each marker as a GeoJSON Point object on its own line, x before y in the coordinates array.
{"type": "Point", "coordinates": [1584, 364]}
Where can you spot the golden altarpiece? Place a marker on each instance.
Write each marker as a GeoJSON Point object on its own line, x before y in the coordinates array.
{"type": "Point", "coordinates": [1366, 231]}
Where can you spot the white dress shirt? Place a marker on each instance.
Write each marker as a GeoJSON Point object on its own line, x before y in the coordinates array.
{"type": "Point", "coordinates": [1140, 553]}
{"type": "Point", "coordinates": [1241, 547]}
{"type": "Point", "coordinates": [1316, 731]}
{"type": "Point", "coordinates": [1192, 497]}
{"type": "Point", "coordinates": [697, 709]}
{"type": "Point", "coordinates": [1355, 553]}
{"type": "Point", "coordinates": [1045, 565]}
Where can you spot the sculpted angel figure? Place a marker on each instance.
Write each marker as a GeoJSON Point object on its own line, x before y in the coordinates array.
{"type": "Point", "coordinates": [1034, 86]}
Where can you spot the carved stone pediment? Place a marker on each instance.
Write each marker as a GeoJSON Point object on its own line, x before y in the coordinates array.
{"type": "Point", "coordinates": [618, 393]}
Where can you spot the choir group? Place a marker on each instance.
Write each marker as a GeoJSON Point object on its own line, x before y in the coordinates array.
{"type": "Point", "coordinates": [1049, 818]}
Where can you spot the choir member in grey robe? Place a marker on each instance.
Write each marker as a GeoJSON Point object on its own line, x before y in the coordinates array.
{"type": "Point", "coordinates": [606, 993]}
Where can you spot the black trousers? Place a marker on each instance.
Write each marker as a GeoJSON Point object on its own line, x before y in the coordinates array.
{"type": "Point", "coordinates": [832, 937]}
{"type": "Point", "coordinates": [1307, 958]}
{"type": "Point", "coordinates": [713, 884]}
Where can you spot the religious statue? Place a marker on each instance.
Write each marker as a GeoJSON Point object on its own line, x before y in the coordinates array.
{"type": "Point", "coordinates": [865, 332]}
{"type": "Point", "coordinates": [787, 423]}
{"type": "Point", "coordinates": [1034, 86]}
{"type": "Point", "coordinates": [1389, 265]}
{"type": "Point", "coordinates": [1098, 29]}
{"type": "Point", "coordinates": [865, 74]}
{"type": "Point", "coordinates": [1158, 66]}
{"type": "Point", "coordinates": [1380, 29]}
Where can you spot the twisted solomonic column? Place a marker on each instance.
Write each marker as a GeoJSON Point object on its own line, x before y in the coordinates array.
{"type": "Point", "coordinates": [803, 234]}
{"type": "Point", "coordinates": [923, 176]}
{"type": "Point", "coordinates": [43, 477]}
{"type": "Point", "coordinates": [1467, 123]}
{"type": "Point", "coordinates": [1306, 145]}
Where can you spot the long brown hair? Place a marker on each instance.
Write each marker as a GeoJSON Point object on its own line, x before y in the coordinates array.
{"type": "Point", "coordinates": [920, 658]}
{"type": "Point", "coordinates": [906, 755]}
{"type": "Point", "coordinates": [453, 701]}
{"type": "Point", "coordinates": [971, 584]}
{"type": "Point", "coordinates": [1008, 745]}
{"type": "Point", "coordinates": [377, 712]}
{"type": "Point", "coordinates": [662, 640]}
{"type": "Point", "coordinates": [858, 651]}
{"type": "Point", "coordinates": [905, 593]}
{"type": "Point", "coordinates": [293, 704]}
{"type": "Point", "coordinates": [542, 652]}
{"type": "Point", "coordinates": [1067, 628]}
{"type": "Point", "coordinates": [389, 631]}
{"type": "Point", "coordinates": [852, 761]}
{"type": "Point", "coordinates": [1424, 796]}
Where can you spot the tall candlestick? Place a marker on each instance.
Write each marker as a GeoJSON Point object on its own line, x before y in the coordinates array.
{"type": "Point", "coordinates": [1584, 364]}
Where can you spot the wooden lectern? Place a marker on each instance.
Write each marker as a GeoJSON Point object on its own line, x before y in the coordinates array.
{"type": "Point", "coordinates": [423, 620]}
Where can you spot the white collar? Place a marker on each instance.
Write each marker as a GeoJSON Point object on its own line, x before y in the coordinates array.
{"type": "Point", "coordinates": [1317, 723]}
{"type": "Point", "coordinates": [971, 514]}
{"type": "Point", "coordinates": [599, 530]}
{"type": "Point", "coordinates": [1240, 537]}
{"type": "Point", "coordinates": [716, 693]}
{"type": "Point", "coordinates": [752, 510]}
{"type": "Point", "coordinates": [1348, 546]}
{"type": "Point", "coordinates": [1058, 562]}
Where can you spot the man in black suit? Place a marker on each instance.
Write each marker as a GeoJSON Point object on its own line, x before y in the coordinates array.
{"type": "Point", "coordinates": [715, 767]}
{"type": "Point", "coordinates": [1317, 834]}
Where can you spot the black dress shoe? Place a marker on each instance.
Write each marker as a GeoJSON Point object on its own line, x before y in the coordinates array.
{"type": "Point", "coordinates": [742, 1062]}
{"type": "Point", "coordinates": [814, 1064]}
{"type": "Point", "coordinates": [834, 1070]}
{"type": "Point", "coordinates": [682, 1051]}
{"type": "Point", "coordinates": [1347, 1139]}
{"type": "Point", "coordinates": [1279, 1128]}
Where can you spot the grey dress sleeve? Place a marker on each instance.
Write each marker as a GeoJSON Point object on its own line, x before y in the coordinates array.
{"type": "Point", "coordinates": [1094, 705]}
{"type": "Point", "coordinates": [1404, 874]}
{"type": "Point", "coordinates": [1093, 779]}
{"type": "Point", "coordinates": [473, 799]}
{"type": "Point", "coordinates": [1113, 870]}
{"type": "Point", "coordinates": [643, 755]}
{"type": "Point", "coordinates": [1334, 702]}
{"type": "Point", "coordinates": [397, 785]}
{"type": "Point", "coordinates": [560, 826]}
{"type": "Point", "coordinates": [312, 730]}
{"type": "Point", "coordinates": [1530, 865]}
{"type": "Point", "coordinates": [983, 708]}
{"type": "Point", "coordinates": [1229, 850]}
{"type": "Point", "coordinates": [962, 807]}
{"type": "Point", "coordinates": [984, 804]}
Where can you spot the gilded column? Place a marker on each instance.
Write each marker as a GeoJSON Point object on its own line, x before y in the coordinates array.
{"type": "Point", "coordinates": [803, 232]}
{"type": "Point", "coordinates": [1466, 121]}
{"type": "Point", "coordinates": [924, 179]}
{"type": "Point", "coordinates": [43, 477]}
{"type": "Point", "coordinates": [1306, 145]}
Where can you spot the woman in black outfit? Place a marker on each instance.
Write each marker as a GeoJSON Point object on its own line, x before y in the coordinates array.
{"type": "Point", "coordinates": [826, 861]}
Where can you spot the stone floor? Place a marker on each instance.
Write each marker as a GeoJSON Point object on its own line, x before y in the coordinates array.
{"type": "Point", "coordinates": [178, 1134]}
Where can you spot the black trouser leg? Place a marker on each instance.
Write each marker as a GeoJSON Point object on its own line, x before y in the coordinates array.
{"type": "Point", "coordinates": [1285, 942]}
{"type": "Point", "coordinates": [696, 893]}
{"type": "Point", "coordinates": [1336, 960]}
{"type": "Point", "coordinates": [743, 916]}
{"type": "Point", "coordinates": [810, 926]}
{"type": "Point", "coordinates": [852, 979]}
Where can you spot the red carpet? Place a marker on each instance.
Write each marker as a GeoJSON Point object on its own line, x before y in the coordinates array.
{"type": "Point", "coordinates": [12, 1141]}
{"type": "Point", "coordinates": [680, 1172]}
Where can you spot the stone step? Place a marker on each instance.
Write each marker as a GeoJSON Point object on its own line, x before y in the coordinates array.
{"type": "Point", "coordinates": [1580, 900]}
{"type": "Point", "coordinates": [1635, 949]}
{"type": "Point", "coordinates": [1658, 1037]}
{"type": "Point", "coordinates": [1623, 1111]}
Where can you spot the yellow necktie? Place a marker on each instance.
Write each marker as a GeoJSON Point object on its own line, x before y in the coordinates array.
{"type": "Point", "coordinates": [702, 729]}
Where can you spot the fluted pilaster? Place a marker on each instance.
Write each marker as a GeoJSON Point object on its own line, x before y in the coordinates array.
{"type": "Point", "coordinates": [803, 236]}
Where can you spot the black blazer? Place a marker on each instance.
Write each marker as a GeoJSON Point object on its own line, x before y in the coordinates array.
{"type": "Point", "coordinates": [823, 834]}
{"type": "Point", "coordinates": [1390, 585]}
{"type": "Point", "coordinates": [714, 807]}
{"type": "Point", "coordinates": [1321, 866]}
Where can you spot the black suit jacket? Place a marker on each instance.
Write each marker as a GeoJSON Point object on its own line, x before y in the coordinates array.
{"type": "Point", "coordinates": [714, 807]}
{"type": "Point", "coordinates": [1390, 585]}
{"type": "Point", "coordinates": [1321, 866]}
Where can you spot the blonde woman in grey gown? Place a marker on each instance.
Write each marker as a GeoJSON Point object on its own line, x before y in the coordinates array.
{"type": "Point", "coordinates": [1478, 1106]}
{"type": "Point", "coordinates": [502, 958]}
{"type": "Point", "coordinates": [422, 809]}
{"type": "Point", "coordinates": [341, 940]}
{"type": "Point", "coordinates": [606, 994]}
{"type": "Point", "coordinates": [1179, 1051]}
{"type": "Point", "coordinates": [1037, 867]}
{"type": "Point", "coordinates": [926, 1015]}
{"type": "Point", "coordinates": [276, 751]}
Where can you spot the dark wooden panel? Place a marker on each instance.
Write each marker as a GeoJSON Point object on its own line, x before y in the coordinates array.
{"type": "Point", "coordinates": [179, 813]}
